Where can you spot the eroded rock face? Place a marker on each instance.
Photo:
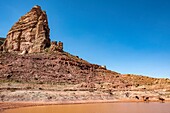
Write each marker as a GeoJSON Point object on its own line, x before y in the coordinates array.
{"type": "Point", "coordinates": [30, 33]}
{"type": "Point", "coordinates": [56, 46]}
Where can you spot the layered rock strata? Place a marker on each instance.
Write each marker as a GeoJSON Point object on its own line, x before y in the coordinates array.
{"type": "Point", "coordinates": [30, 33]}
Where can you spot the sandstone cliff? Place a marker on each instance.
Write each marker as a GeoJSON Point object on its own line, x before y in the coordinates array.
{"type": "Point", "coordinates": [30, 33]}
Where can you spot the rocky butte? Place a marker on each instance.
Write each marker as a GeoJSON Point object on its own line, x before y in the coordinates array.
{"type": "Point", "coordinates": [30, 33]}
{"type": "Point", "coordinates": [30, 59]}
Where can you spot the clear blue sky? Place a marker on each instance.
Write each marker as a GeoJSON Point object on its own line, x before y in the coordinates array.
{"type": "Point", "coordinates": [128, 36]}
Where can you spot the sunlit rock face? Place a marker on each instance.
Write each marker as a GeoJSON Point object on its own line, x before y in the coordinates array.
{"type": "Point", "coordinates": [30, 33]}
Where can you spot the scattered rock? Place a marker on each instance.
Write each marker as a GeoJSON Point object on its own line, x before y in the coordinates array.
{"type": "Point", "coordinates": [8, 76]}
{"type": "Point", "coordinates": [24, 52]}
{"type": "Point", "coordinates": [161, 99]}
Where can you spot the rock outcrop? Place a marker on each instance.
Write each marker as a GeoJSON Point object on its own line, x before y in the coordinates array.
{"type": "Point", "coordinates": [2, 40]}
{"type": "Point", "coordinates": [30, 33]}
{"type": "Point", "coordinates": [56, 46]}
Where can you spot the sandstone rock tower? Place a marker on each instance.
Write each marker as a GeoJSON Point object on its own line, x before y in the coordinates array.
{"type": "Point", "coordinates": [30, 33]}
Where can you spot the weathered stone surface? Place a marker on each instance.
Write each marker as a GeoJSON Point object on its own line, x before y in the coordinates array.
{"type": "Point", "coordinates": [54, 68]}
{"type": "Point", "coordinates": [56, 46]}
{"type": "Point", "coordinates": [30, 33]}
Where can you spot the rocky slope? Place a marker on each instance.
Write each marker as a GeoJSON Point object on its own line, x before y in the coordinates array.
{"type": "Point", "coordinates": [64, 68]}
{"type": "Point", "coordinates": [55, 67]}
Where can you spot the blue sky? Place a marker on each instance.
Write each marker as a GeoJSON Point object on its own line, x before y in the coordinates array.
{"type": "Point", "coordinates": [128, 36]}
